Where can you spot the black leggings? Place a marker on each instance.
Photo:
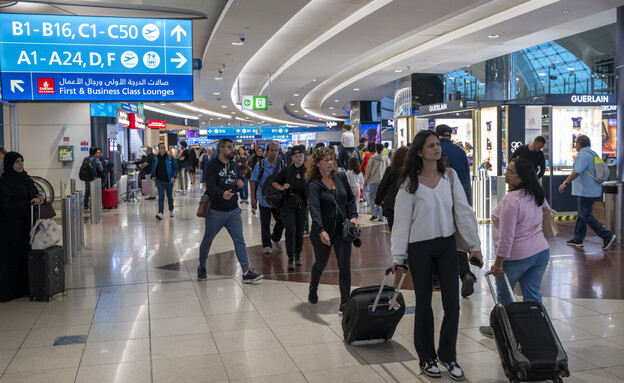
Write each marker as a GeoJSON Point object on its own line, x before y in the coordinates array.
{"type": "Point", "coordinates": [425, 256]}
{"type": "Point", "coordinates": [321, 257]}
{"type": "Point", "coordinates": [294, 221]}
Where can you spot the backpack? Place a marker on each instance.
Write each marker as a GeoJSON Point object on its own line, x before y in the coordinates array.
{"type": "Point", "coordinates": [351, 153]}
{"type": "Point", "coordinates": [87, 171]}
{"type": "Point", "coordinates": [601, 169]}
{"type": "Point", "coordinates": [271, 195]}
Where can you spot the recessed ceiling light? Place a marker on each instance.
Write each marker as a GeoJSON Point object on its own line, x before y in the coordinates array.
{"type": "Point", "coordinates": [356, 89]}
{"type": "Point", "coordinates": [162, 103]}
{"type": "Point", "coordinates": [331, 108]}
{"type": "Point", "coordinates": [565, 11]}
{"type": "Point", "coordinates": [292, 104]}
{"type": "Point", "coordinates": [218, 78]}
{"type": "Point", "coordinates": [216, 93]}
{"type": "Point", "coordinates": [313, 80]}
{"type": "Point", "coordinates": [296, 111]}
{"type": "Point", "coordinates": [247, 118]}
{"type": "Point", "coordinates": [199, 115]}
{"type": "Point", "coordinates": [237, 43]}
{"type": "Point", "coordinates": [296, 94]}
{"type": "Point", "coordinates": [494, 36]}
{"type": "Point", "coordinates": [223, 106]}
{"type": "Point", "coordinates": [233, 112]}
{"type": "Point", "coordinates": [218, 118]}
{"type": "Point", "coordinates": [336, 100]}
{"type": "Point", "coordinates": [305, 115]}
{"type": "Point", "coordinates": [333, 114]}
{"type": "Point", "coordinates": [212, 119]}
{"type": "Point", "coordinates": [398, 70]}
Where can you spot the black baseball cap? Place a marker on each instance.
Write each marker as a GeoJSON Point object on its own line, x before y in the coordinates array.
{"type": "Point", "coordinates": [443, 130]}
{"type": "Point", "coordinates": [298, 149]}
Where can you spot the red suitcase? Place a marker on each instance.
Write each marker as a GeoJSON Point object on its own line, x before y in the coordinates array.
{"type": "Point", "coordinates": [109, 198]}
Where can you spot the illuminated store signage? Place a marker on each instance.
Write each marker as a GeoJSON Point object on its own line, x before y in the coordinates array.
{"type": "Point", "coordinates": [122, 118]}
{"type": "Point", "coordinates": [136, 121]}
{"type": "Point", "coordinates": [76, 58]}
{"type": "Point", "coordinates": [157, 124]}
{"type": "Point", "coordinates": [581, 99]}
{"type": "Point", "coordinates": [441, 107]}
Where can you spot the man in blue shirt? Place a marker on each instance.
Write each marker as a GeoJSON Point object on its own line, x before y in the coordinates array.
{"type": "Point", "coordinates": [459, 162]}
{"type": "Point", "coordinates": [588, 192]}
{"type": "Point", "coordinates": [261, 172]}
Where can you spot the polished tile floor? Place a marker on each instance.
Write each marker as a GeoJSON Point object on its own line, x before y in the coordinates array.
{"type": "Point", "coordinates": [135, 312]}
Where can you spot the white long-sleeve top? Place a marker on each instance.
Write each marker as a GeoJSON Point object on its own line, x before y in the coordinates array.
{"type": "Point", "coordinates": [428, 214]}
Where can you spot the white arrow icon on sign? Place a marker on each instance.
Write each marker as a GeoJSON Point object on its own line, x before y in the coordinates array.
{"type": "Point", "coordinates": [15, 84]}
{"type": "Point", "coordinates": [179, 30]}
{"type": "Point", "coordinates": [181, 60]}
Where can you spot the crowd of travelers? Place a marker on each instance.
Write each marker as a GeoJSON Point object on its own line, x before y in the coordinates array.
{"type": "Point", "coordinates": [423, 191]}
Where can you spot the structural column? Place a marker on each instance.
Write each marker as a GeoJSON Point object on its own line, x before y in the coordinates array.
{"type": "Point", "coordinates": [619, 64]}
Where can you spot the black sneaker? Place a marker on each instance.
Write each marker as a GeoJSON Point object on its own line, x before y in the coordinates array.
{"type": "Point", "coordinates": [201, 273]}
{"type": "Point", "coordinates": [608, 242]}
{"type": "Point", "coordinates": [468, 281]}
{"type": "Point", "coordinates": [298, 260]}
{"type": "Point", "coordinates": [313, 295]}
{"type": "Point", "coordinates": [487, 331]}
{"type": "Point", "coordinates": [574, 242]}
{"type": "Point", "coordinates": [430, 368]}
{"type": "Point", "coordinates": [454, 370]}
{"type": "Point", "coordinates": [341, 309]}
{"type": "Point", "coordinates": [291, 264]}
{"type": "Point", "coordinates": [250, 276]}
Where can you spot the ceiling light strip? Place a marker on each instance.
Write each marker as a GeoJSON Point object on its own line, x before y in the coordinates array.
{"type": "Point", "coordinates": [450, 36]}
{"type": "Point", "coordinates": [204, 111]}
{"type": "Point", "coordinates": [169, 112]}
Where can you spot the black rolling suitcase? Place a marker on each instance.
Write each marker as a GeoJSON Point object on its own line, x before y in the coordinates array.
{"type": "Point", "coordinates": [46, 272]}
{"type": "Point", "coordinates": [527, 342]}
{"type": "Point", "coordinates": [373, 312]}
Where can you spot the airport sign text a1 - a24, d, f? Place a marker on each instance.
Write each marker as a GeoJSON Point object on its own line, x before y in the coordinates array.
{"type": "Point", "coordinates": [76, 58]}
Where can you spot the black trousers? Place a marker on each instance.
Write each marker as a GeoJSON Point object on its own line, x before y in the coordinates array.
{"type": "Point", "coordinates": [294, 222]}
{"type": "Point", "coordinates": [265, 225]}
{"type": "Point", "coordinates": [462, 264]}
{"type": "Point", "coordinates": [343, 257]}
{"type": "Point", "coordinates": [424, 257]}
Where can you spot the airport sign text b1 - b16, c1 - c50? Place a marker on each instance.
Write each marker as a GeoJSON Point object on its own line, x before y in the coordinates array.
{"type": "Point", "coordinates": [81, 58]}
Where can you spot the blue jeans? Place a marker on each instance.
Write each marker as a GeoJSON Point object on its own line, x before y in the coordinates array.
{"type": "Point", "coordinates": [244, 192]}
{"type": "Point", "coordinates": [234, 225]}
{"type": "Point", "coordinates": [376, 211]}
{"type": "Point", "coordinates": [585, 217]}
{"type": "Point", "coordinates": [163, 187]}
{"type": "Point", "coordinates": [528, 272]}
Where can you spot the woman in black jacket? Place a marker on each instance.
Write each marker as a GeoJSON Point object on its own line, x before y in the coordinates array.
{"type": "Point", "coordinates": [17, 193]}
{"type": "Point", "coordinates": [389, 185]}
{"type": "Point", "coordinates": [326, 189]}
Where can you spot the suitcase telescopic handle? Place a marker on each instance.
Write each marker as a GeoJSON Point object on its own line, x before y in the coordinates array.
{"type": "Point", "coordinates": [383, 283]}
{"type": "Point", "coordinates": [488, 278]}
{"type": "Point", "coordinates": [32, 214]}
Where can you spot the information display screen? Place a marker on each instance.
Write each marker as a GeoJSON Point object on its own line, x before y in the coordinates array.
{"type": "Point", "coordinates": [569, 122]}
{"type": "Point", "coordinates": [76, 58]}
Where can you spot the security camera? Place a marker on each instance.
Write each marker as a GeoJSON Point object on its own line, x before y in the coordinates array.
{"type": "Point", "coordinates": [242, 37]}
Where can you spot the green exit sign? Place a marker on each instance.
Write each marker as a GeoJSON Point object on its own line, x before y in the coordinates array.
{"type": "Point", "coordinates": [255, 103]}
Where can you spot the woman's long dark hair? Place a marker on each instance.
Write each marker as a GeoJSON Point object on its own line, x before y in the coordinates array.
{"type": "Point", "coordinates": [528, 180]}
{"type": "Point", "coordinates": [414, 163]}
{"type": "Point", "coordinates": [398, 159]}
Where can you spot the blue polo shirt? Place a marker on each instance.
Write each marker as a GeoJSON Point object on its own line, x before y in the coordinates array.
{"type": "Point", "coordinates": [268, 171]}
{"type": "Point", "coordinates": [584, 185]}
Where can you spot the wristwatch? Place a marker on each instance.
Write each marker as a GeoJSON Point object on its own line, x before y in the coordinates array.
{"type": "Point", "coordinates": [565, 183]}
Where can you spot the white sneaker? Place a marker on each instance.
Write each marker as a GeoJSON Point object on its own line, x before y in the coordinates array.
{"type": "Point", "coordinates": [159, 216]}
{"type": "Point", "coordinates": [170, 214]}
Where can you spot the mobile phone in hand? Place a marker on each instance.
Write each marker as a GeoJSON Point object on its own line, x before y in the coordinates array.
{"type": "Point", "coordinates": [476, 262]}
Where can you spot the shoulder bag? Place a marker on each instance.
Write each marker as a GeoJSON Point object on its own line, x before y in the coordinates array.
{"type": "Point", "coordinates": [549, 226]}
{"type": "Point", "coordinates": [460, 242]}
{"type": "Point", "coordinates": [203, 210]}
{"type": "Point", "coordinates": [349, 230]}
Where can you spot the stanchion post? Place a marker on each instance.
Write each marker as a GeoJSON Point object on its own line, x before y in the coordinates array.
{"type": "Point", "coordinates": [67, 231]}
{"type": "Point", "coordinates": [79, 219]}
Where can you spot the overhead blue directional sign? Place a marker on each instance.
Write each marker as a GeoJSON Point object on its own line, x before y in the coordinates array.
{"type": "Point", "coordinates": [75, 58]}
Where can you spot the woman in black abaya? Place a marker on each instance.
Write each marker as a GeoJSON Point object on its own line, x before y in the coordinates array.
{"type": "Point", "coordinates": [17, 194]}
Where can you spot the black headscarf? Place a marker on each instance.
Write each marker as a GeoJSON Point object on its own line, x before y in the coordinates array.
{"type": "Point", "coordinates": [14, 177]}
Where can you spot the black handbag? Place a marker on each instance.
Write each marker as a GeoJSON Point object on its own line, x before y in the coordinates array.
{"type": "Point", "coordinates": [350, 231]}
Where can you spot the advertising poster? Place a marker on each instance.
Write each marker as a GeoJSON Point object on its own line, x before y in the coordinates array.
{"type": "Point", "coordinates": [569, 122]}
{"type": "Point", "coordinates": [422, 124]}
{"type": "Point", "coordinates": [372, 132]}
{"type": "Point", "coordinates": [401, 131]}
{"type": "Point", "coordinates": [533, 123]}
{"type": "Point", "coordinates": [462, 132]}
{"type": "Point", "coordinates": [489, 143]}
{"type": "Point", "coordinates": [609, 130]}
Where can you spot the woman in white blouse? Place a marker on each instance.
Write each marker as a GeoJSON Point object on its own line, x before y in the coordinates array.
{"type": "Point", "coordinates": [430, 199]}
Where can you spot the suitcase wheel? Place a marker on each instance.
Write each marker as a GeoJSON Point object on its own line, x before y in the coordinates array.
{"type": "Point", "coordinates": [64, 293]}
{"type": "Point", "coordinates": [49, 299]}
{"type": "Point", "coordinates": [522, 373]}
